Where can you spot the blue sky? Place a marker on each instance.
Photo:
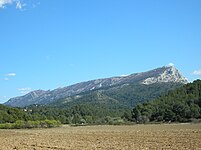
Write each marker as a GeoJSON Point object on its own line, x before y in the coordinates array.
{"type": "Point", "coordinates": [49, 44]}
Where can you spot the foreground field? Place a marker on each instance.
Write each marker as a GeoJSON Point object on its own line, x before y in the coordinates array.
{"type": "Point", "coordinates": [178, 136]}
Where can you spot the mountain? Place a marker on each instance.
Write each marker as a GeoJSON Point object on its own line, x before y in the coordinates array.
{"type": "Point", "coordinates": [103, 88]}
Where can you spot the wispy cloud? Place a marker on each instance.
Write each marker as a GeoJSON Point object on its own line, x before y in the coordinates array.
{"type": "Point", "coordinates": [19, 4]}
{"type": "Point", "coordinates": [10, 74]}
{"type": "Point", "coordinates": [34, 5]}
{"type": "Point", "coordinates": [5, 2]}
{"type": "Point", "coordinates": [197, 72]}
{"type": "Point", "coordinates": [24, 90]}
{"type": "Point", "coordinates": [170, 64]}
{"type": "Point", "coordinates": [124, 75]}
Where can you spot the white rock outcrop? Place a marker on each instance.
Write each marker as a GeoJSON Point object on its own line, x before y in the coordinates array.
{"type": "Point", "coordinates": [171, 74]}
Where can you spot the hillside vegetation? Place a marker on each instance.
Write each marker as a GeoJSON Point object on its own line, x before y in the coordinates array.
{"type": "Point", "coordinates": [123, 97]}
{"type": "Point", "coordinates": [180, 105]}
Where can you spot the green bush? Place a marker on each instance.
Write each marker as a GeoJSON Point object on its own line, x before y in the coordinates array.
{"type": "Point", "coordinates": [19, 124]}
{"type": "Point", "coordinates": [51, 123]}
{"type": "Point", "coordinates": [6, 126]}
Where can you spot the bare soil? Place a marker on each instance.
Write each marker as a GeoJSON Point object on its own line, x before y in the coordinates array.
{"type": "Point", "coordinates": [136, 137]}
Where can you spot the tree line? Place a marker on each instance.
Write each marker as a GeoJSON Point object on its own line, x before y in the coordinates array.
{"type": "Point", "coordinates": [16, 118]}
{"type": "Point", "coordinates": [78, 114]}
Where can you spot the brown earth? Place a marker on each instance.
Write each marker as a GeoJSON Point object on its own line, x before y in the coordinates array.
{"type": "Point", "coordinates": [136, 137]}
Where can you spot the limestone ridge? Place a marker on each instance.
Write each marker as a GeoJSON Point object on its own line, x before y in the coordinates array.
{"type": "Point", "coordinates": [159, 75]}
{"type": "Point", "coordinates": [30, 98]}
{"type": "Point", "coordinates": [171, 74]}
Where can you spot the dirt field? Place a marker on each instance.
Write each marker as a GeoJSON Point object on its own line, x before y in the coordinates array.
{"type": "Point", "coordinates": [160, 137]}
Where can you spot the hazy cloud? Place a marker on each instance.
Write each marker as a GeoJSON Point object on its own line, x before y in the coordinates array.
{"type": "Point", "coordinates": [10, 74]}
{"type": "Point", "coordinates": [24, 90]}
{"type": "Point", "coordinates": [7, 76]}
{"type": "Point", "coordinates": [5, 2]}
{"type": "Point", "coordinates": [6, 79]}
{"type": "Point", "coordinates": [197, 72]}
{"type": "Point", "coordinates": [34, 5]}
{"type": "Point", "coordinates": [19, 4]}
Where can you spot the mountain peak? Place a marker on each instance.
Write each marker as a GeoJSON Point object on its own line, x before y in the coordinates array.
{"type": "Point", "coordinates": [170, 74]}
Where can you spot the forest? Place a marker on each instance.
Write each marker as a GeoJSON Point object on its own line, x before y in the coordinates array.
{"type": "Point", "coordinates": [15, 118]}
{"type": "Point", "coordinates": [179, 105]}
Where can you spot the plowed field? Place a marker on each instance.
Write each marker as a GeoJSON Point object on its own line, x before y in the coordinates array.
{"type": "Point", "coordinates": [148, 137]}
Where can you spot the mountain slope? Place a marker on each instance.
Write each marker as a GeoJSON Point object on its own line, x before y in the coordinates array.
{"type": "Point", "coordinates": [160, 75]}
{"type": "Point", "coordinates": [117, 97]}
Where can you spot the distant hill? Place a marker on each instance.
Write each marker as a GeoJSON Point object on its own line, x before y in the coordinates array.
{"type": "Point", "coordinates": [179, 105]}
{"type": "Point", "coordinates": [124, 91]}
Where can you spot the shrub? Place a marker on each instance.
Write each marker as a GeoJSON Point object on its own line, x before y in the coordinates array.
{"type": "Point", "coordinates": [52, 123]}
{"type": "Point", "coordinates": [6, 126]}
{"type": "Point", "coordinates": [19, 124]}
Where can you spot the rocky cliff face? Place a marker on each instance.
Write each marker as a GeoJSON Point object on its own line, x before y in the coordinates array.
{"type": "Point", "coordinates": [159, 75]}
{"type": "Point", "coordinates": [171, 74]}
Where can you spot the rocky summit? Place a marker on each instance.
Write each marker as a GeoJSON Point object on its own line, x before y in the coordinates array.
{"type": "Point", "coordinates": [170, 74]}
{"type": "Point", "coordinates": [166, 74]}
